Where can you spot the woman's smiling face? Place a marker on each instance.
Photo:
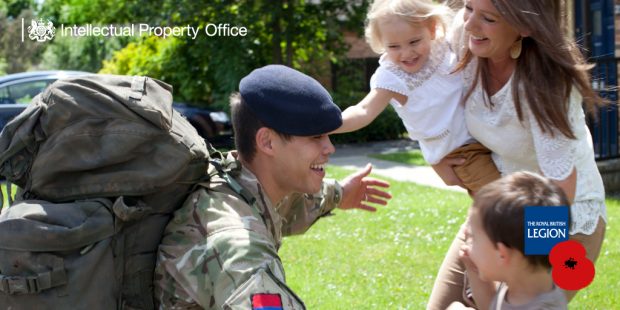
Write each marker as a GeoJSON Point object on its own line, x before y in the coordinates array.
{"type": "Point", "coordinates": [490, 36]}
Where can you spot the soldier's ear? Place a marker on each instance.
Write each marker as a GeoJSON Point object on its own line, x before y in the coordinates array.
{"type": "Point", "coordinates": [264, 140]}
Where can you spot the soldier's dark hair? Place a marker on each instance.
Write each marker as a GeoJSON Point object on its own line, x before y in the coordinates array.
{"type": "Point", "coordinates": [501, 208]}
{"type": "Point", "coordinates": [245, 126]}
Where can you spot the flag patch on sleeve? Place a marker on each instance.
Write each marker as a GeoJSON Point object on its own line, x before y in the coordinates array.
{"type": "Point", "coordinates": [266, 302]}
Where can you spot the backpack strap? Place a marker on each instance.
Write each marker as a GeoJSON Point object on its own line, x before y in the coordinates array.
{"type": "Point", "coordinates": [9, 187]}
{"type": "Point", "coordinates": [225, 167]}
{"type": "Point", "coordinates": [34, 284]}
{"type": "Point", "coordinates": [137, 87]}
{"type": "Point", "coordinates": [222, 172]}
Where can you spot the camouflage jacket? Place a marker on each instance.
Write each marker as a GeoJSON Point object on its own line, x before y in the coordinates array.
{"type": "Point", "coordinates": [219, 252]}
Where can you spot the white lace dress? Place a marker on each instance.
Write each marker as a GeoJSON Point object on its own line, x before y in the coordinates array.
{"type": "Point", "coordinates": [523, 146]}
{"type": "Point", "coordinates": [432, 114]}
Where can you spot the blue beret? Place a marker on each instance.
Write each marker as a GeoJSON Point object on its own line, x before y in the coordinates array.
{"type": "Point", "coordinates": [289, 101]}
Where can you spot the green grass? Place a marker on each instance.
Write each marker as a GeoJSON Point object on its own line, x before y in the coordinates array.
{"type": "Point", "coordinates": [6, 198]}
{"type": "Point", "coordinates": [413, 157]}
{"type": "Point", "coordinates": [389, 259]}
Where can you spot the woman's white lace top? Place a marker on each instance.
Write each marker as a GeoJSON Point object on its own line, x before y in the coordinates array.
{"type": "Point", "coordinates": [432, 114]}
{"type": "Point", "coordinates": [523, 146]}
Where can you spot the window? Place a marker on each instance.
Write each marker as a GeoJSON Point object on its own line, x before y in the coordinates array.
{"type": "Point", "coordinates": [22, 92]}
{"type": "Point", "coordinates": [4, 95]}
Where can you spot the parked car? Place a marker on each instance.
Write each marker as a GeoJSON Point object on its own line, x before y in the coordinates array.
{"type": "Point", "coordinates": [17, 90]}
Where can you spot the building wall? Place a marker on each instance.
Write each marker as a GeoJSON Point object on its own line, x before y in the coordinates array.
{"type": "Point", "coordinates": [358, 46]}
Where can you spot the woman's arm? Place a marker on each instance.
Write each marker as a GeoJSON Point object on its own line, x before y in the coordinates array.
{"type": "Point", "coordinates": [569, 185]}
{"type": "Point", "coordinates": [360, 115]}
{"type": "Point", "coordinates": [556, 153]}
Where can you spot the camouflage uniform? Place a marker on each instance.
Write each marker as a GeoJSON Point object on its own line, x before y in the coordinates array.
{"type": "Point", "coordinates": [220, 252]}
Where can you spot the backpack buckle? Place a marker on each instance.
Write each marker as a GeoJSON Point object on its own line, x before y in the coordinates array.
{"type": "Point", "coordinates": [18, 285]}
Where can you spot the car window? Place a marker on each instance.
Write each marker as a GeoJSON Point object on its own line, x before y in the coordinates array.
{"type": "Point", "coordinates": [24, 92]}
{"type": "Point", "coordinates": [4, 95]}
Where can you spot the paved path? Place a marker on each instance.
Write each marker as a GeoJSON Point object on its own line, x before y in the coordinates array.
{"type": "Point", "coordinates": [354, 156]}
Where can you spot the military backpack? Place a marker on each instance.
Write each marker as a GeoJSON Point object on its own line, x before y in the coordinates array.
{"type": "Point", "coordinates": [102, 162]}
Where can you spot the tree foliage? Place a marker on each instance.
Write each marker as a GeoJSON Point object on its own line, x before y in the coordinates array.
{"type": "Point", "coordinates": [297, 33]}
{"type": "Point", "coordinates": [15, 55]}
{"type": "Point", "coordinates": [80, 53]}
{"type": "Point", "coordinates": [13, 8]}
{"type": "Point", "coordinates": [304, 34]}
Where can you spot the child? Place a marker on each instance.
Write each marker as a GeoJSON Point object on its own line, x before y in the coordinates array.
{"type": "Point", "coordinates": [495, 249]}
{"type": "Point", "coordinates": [414, 76]}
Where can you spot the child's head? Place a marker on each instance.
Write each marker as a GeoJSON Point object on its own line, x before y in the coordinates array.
{"type": "Point", "coordinates": [404, 30]}
{"type": "Point", "coordinates": [497, 221]}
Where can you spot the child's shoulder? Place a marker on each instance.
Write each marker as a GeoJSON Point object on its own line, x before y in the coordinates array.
{"type": "Point", "coordinates": [387, 69]}
{"type": "Point", "coordinates": [551, 300]}
{"type": "Point", "coordinates": [389, 76]}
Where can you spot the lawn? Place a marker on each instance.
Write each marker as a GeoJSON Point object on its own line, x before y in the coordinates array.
{"type": "Point", "coordinates": [413, 157]}
{"type": "Point", "coordinates": [4, 195]}
{"type": "Point", "coordinates": [388, 260]}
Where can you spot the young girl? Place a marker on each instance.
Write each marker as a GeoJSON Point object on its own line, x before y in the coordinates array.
{"type": "Point", "coordinates": [414, 75]}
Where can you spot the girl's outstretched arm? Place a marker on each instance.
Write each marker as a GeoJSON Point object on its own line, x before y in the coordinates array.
{"type": "Point", "coordinates": [360, 115]}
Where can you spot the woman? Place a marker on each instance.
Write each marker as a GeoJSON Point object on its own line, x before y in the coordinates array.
{"type": "Point", "coordinates": [526, 82]}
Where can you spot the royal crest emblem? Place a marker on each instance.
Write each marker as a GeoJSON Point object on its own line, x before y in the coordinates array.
{"type": "Point", "coordinates": [41, 31]}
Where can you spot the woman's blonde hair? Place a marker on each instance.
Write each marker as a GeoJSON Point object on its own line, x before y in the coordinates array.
{"type": "Point", "coordinates": [414, 12]}
{"type": "Point", "coordinates": [549, 67]}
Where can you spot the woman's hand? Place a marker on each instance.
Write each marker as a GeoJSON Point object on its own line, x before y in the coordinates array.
{"type": "Point", "coordinates": [445, 170]}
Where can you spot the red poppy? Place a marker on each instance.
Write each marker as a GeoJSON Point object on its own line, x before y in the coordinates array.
{"type": "Point", "coordinates": [571, 269]}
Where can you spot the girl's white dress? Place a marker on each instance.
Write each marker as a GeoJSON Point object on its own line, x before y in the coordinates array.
{"type": "Point", "coordinates": [433, 114]}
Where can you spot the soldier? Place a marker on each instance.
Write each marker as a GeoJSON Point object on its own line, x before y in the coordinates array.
{"type": "Point", "coordinates": [220, 250]}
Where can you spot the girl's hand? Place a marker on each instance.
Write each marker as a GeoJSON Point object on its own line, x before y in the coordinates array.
{"type": "Point", "coordinates": [445, 170]}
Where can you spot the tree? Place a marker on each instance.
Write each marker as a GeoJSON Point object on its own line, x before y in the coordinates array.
{"type": "Point", "coordinates": [80, 53]}
{"type": "Point", "coordinates": [18, 56]}
{"type": "Point", "coordinates": [304, 34]}
{"type": "Point", "coordinates": [297, 33]}
{"type": "Point", "coordinates": [13, 8]}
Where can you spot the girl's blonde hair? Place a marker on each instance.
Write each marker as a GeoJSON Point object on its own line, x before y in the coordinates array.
{"type": "Point", "coordinates": [414, 12]}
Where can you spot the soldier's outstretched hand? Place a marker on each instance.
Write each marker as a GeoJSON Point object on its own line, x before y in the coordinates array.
{"type": "Point", "coordinates": [358, 190]}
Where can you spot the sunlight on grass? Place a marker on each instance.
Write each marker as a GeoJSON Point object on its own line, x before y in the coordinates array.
{"type": "Point", "coordinates": [413, 157]}
{"type": "Point", "coordinates": [389, 259]}
{"type": "Point", "coordinates": [6, 198]}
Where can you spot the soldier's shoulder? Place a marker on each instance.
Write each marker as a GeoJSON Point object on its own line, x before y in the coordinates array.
{"type": "Point", "coordinates": [206, 213]}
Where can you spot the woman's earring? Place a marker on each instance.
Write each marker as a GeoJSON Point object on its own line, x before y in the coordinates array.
{"type": "Point", "coordinates": [515, 49]}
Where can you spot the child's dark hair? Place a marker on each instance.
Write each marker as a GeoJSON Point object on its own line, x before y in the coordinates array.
{"type": "Point", "coordinates": [501, 208]}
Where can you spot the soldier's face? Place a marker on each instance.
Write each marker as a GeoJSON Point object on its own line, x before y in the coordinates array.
{"type": "Point", "coordinates": [301, 162]}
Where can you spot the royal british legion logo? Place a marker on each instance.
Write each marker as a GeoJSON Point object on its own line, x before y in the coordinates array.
{"type": "Point", "coordinates": [41, 31]}
{"type": "Point", "coordinates": [544, 228]}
